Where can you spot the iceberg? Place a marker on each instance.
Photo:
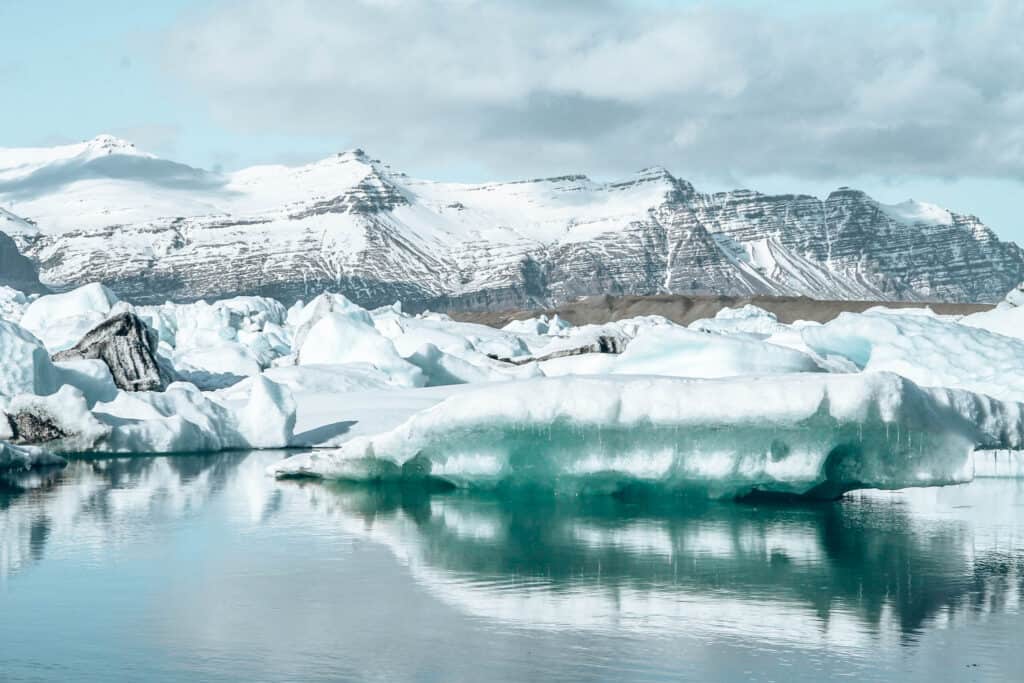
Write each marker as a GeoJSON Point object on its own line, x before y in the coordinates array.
{"type": "Point", "coordinates": [747, 319]}
{"type": "Point", "coordinates": [25, 366]}
{"type": "Point", "coordinates": [179, 420]}
{"type": "Point", "coordinates": [818, 435]}
{"type": "Point", "coordinates": [675, 351]}
{"type": "Point", "coordinates": [926, 349]}
{"type": "Point", "coordinates": [733, 404]}
{"type": "Point", "coordinates": [61, 320]}
{"type": "Point", "coordinates": [538, 326]}
{"type": "Point", "coordinates": [679, 352]}
{"type": "Point", "coordinates": [339, 338]}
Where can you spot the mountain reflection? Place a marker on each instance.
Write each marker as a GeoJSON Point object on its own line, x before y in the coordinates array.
{"type": "Point", "coordinates": [873, 565]}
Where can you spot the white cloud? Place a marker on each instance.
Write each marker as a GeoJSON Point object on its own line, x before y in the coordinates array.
{"type": "Point", "coordinates": [606, 86]}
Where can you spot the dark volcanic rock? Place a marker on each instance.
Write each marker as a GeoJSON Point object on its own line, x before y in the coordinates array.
{"type": "Point", "coordinates": [128, 347]}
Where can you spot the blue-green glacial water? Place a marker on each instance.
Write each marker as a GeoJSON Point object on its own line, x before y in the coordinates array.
{"type": "Point", "coordinates": [204, 569]}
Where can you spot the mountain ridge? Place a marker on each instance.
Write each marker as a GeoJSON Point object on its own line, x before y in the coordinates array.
{"type": "Point", "coordinates": [153, 229]}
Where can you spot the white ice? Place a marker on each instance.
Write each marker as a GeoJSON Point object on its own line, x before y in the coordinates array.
{"type": "Point", "coordinates": [731, 404]}
{"type": "Point", "coordinates": [797, 433]}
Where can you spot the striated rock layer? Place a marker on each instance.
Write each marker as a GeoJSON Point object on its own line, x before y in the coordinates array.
{"type": "Point", "coordinates": [128, 348]}
{"type": "Point", "coordinates": [154, 230]}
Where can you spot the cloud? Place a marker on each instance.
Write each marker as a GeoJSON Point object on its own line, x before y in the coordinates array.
{"type": "Point", "coordinates": [926, 89]}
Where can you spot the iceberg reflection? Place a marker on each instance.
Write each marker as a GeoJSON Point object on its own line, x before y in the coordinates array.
{"type": "Point", "coordinates": [874, 565]}
{"type": "Point", "coordinates": [873, 568]}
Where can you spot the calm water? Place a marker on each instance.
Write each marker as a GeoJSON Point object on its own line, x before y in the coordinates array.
{"type": "Point", "coordinates": [203, 569]}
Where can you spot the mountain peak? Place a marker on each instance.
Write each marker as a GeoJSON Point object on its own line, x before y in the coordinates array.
{"type": "Point", "coordinates": [654, 173]}
{"type": "Point", "coordinates": [109, 144]}
{"type": "Point", "coordinates": [354, 154]}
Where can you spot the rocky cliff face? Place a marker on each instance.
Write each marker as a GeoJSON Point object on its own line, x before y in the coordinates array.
{"type": "Point", "coordinates": [16, 270]}
{"type": "Point", "coordinates": [154, 230]}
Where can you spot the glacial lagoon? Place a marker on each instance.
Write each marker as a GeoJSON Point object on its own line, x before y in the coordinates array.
{"type": "Point", "coordinates": [204, 568]}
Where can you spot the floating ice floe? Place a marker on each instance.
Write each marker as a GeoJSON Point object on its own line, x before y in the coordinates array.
{"type": "Point", "coordinates": [810, 434]}
{"type": "Point", "coordinates": [23, 458]}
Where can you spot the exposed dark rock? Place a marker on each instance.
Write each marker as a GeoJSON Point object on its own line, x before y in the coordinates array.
{"type": "Point", "coordinates": [30, 427]}
{"type": "Point", "coordinates": [128, 347]}
{"type": "Point", "coordinates": [604, 343]}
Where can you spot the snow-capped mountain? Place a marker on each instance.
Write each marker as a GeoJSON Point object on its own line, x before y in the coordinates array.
{"type": "Point", "coordinates": [153, 230]}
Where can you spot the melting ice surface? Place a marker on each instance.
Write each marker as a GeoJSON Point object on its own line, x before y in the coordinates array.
{"type": "Point", "coordinates": [202, 568]}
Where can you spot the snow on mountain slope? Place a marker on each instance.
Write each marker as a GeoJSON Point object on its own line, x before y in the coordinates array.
{"type": "Point", "coordinates": [14, 225]}
{"type": "Point", "coordinates": [154, 229]}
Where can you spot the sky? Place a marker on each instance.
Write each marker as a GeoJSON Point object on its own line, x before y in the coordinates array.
{"type": "Point", "coordinates": [918, 99]}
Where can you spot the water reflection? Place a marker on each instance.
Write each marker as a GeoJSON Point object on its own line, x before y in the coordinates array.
{"type": "Point", "coordinates": [836, 571]}
{"type": "Point", "coordinates": [872, 568]}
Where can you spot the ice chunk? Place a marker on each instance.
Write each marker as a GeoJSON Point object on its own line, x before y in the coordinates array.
{"type": "Point", "coordinates": [539, 326]}
{"type": "Point", "coordinates": [62, 421]}
{"type": "Point", "coordinates": [21, 458]}
{"type": "Point", "coordinates": [440, 368]}
{"type": "Point", "coordinates": [815, 434]}
{"type": "Point", "coordinates": [268, 419]}
{"type": "Point", "coordinates": [253, 313]}
{"type": "Point", "coordinates": [12, 303]}
{"type": "Point", "coordinates": [467, 340]}
{"type": "Point", "coordinates": [60, 320]}
{"type": "Point", "coordinates": [926, 349]}
{"type": "Point", "coordinates": [216, 345]}
{"type": "Point", "coordinates": [302, 320]}
{"type": "Point", "coordinates": [215, 366]}
{"type": "Point", "coordinates": [340, 338]}
{"type": "Point", "coordinates": [1005, 320]}
{"type": "Point", "coordinates": [748, 319]}
{"type": "Point", "coordinates": [25, 366]}
{"type": "Point", "coordinates": [323, 379]}
{"type": "Point", "coordinates": [183, 419]}
{"type": "Point", "coordinates": [1015, 297]}
{"type": "Point", "coordinates": [678, 352]}
{"type": "Point", "coordinates": [91, 377]}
